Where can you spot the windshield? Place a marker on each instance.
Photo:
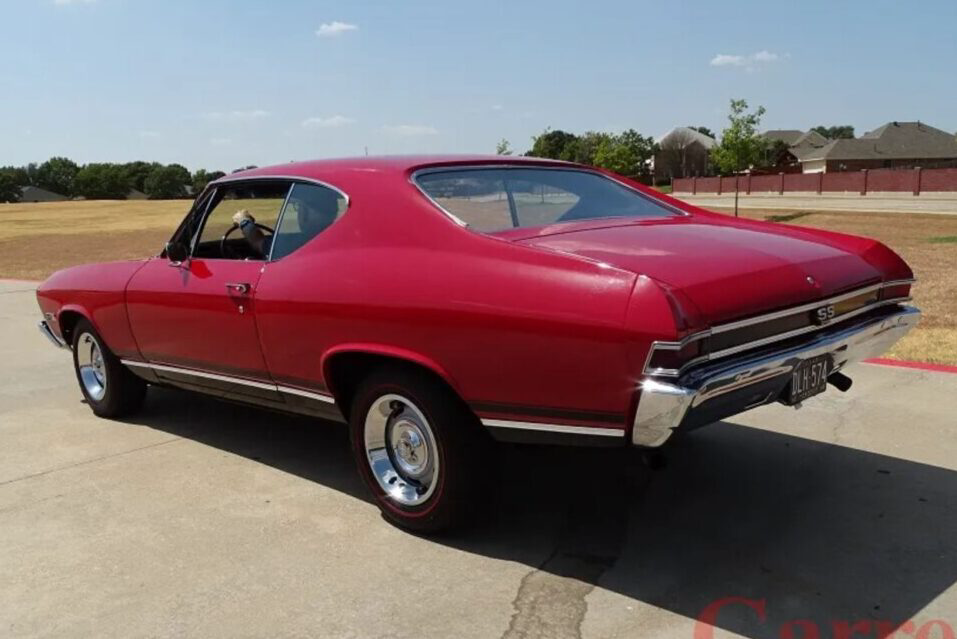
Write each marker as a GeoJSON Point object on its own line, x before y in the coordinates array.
{"type": "Point", "coordinates": [500, 199]}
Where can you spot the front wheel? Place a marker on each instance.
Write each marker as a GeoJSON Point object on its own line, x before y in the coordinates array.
{"type": "Point", "coordinates": [420, 450]}
{"type": "Point", "coordinates": [110, 389]}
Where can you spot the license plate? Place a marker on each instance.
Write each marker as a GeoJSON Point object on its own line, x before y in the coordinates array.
{"type": "Point", "coordinates": [809, 378]}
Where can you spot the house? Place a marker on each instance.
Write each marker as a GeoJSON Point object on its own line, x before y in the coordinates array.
{"type": "Point", "coordinates": [683, 152]}
{"type": "Point", "coordinates": [786, 146]}
{"type": "Point", "coordinates": [36, 194]}
{"type": "Point", "coordinates": [894, 145]}
{"type": "Point", "coordinates": [135, 194]}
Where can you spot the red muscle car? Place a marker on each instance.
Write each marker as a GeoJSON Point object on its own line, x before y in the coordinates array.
{"type": "Point", "coordinates": [438, 304]}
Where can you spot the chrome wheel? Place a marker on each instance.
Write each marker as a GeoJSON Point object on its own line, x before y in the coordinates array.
{"type": "Point", "coordinates": [400, 449]}
{"type": "Point", "coordinates": [92, 368]}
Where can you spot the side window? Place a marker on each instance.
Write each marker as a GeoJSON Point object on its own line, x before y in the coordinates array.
{"type": "Point", "coordinates": [310, 210]}
{"type": "Point", "coordinates": [263, 200]}
{"type": "Point", "coordinates": [478, 199]}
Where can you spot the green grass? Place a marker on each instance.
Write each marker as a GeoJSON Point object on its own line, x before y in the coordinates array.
{"type": "Point", "coordinates": [787, 217]}
{"type": "Point", "coordinates": [943, 239]}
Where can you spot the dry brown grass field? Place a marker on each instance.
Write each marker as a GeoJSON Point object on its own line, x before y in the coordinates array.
{"type": "Point", "coordinates": [37, 239]}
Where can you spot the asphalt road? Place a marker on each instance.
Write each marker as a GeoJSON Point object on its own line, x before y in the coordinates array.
{"type": "Point", "coordinates": [206, 519]}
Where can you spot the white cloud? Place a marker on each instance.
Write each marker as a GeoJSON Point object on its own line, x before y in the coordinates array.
{"type": "Point", "coordinates": [326, 123]}
{"type": "Point", "coordinates": [333, 29]}
{"type": "Point", "coordinates": [148, 134]}
{"type": "Point", "coordinates": [237, 116]}
{"type": "Point", "coordinates": [63, 3]}
{"type": "Point", "coordinates": [749, 62]}
{"type": "Point", "coordinates": [410, 130]}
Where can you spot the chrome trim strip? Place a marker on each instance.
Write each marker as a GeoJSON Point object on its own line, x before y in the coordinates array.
{"type": "Point", "coordinates": [197, 373]}
{"type": "Point", "coordinates": [723, 328]}
{"type": "Point", "coordinates": [810, 306]}
{"type": "Point", "coordinates": [294, 178]}
{"type": "Point", "coordinates": [554, 428]}
{"type": "Point", "coordinates": [534, 166]}
{"type": "Point", "coordinates": [292, 390]}
{"type": "Point", "coordinates": [50, 335]}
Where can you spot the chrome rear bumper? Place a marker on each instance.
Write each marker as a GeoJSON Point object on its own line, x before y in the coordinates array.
{"type": "Point", "coordinates": [50, 335]}
{"type": "Point", "coordinates": [722, 389]}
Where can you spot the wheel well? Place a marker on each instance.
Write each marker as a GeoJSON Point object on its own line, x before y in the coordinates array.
{"type": "Point", "coordinates": [344, 372]}
{"type": "Point", "coordinates": [67, 321]}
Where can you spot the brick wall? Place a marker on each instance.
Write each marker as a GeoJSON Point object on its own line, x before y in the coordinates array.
{"type": "Point", "coordinates": [900, 180]}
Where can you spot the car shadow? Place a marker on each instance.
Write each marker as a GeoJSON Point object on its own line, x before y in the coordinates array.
{"type": "Point", "coordinates": [813, 530]}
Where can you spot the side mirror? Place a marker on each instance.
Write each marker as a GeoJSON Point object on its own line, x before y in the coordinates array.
{"type": "Point", "coordinates": [176, 253]}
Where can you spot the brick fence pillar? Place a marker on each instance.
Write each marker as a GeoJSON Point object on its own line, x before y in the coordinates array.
{"type": "Point", "coordinates": [820, 182]}
{"type": "Point", "coordinates": [720, 181]}
{"type": "Point", "coordinates": [916, 180]}
{"type": "Point", "coordinates": [749, 184]}
{"type": "Point", "coordinates": [694, 185]}
{"type": "Point", "coordinates": [864, 182]}
{"type": "Point", "coordinates": [781, 185]}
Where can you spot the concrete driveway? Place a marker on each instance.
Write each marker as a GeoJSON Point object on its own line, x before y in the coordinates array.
{"type": "Point", "coordinates": [206, 519]}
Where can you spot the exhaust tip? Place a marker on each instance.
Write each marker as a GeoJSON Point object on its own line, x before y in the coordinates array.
{"type": "Point", "coordinates": [840, 381]}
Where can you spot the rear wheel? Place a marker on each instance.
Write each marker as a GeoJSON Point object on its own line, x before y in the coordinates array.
{"type": "Point", "coordinates": [420, 450]}
{"type": "Point", "coordinates": [110, 388]}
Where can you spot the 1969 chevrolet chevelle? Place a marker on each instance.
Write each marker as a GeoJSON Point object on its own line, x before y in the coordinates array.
{"type": "Point", "coordinates": [438, 304]}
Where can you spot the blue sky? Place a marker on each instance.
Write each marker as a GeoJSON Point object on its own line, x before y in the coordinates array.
{"type": "Point", "coordinates": [221, 84]}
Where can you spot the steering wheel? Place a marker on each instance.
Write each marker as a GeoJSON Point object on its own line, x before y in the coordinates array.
{"type": "Point", "coordinates": [226, 251]}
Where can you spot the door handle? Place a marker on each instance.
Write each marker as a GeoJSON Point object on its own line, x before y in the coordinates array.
{"type": "Point", "coordinates": [238, 287]}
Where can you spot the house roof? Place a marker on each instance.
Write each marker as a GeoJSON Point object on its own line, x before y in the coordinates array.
{"type": "Point", "coordinates": [788, 136]}
{"type": "Point", "coordinates": [795, 138]}
{"type": "Point", "coordinates": [36, 194]}
{"type": "Point", "coordinates": [893, 141]}
{"type": "Point", "coordinates": [688, 135]}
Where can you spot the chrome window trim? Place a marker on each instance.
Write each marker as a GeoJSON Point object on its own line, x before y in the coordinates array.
{"type": "Point", "coordinates": [543, 167]}
{"type": "Point", "coordinates": [723, 328]}
{"type": "Point", "coordinates": [554, 428]}
{"type": "Point", "coordinates": [242, 381]}
{"type": "Point", "coordinates": [292, 179]}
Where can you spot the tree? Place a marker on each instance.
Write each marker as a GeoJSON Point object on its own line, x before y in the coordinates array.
{"type": "Point", "coordinates": [102, 182]}
{"type": "Point", "coordinates": [19, 174]}
{"type": "Point", "coordinates": [503, 147]}
{"type": "Point", "coordinates": [202, 177]}
{"type": "Point", "coordinates": [165, 183]}
{"type": "Point", "coordinates": [643, 148]}
{"type": "Point", "coordinates": [137, 172]}
{"type": "Point", "coordinates": [9, 188]}
{"type": "Point", "coordinates": [741, 147]}
{"type": "Point", "coordinates": [704, 131]}
{"type": "Point", "coordinates": [612, 155]}
{"type": "Point", "coordinates": [556, 145]}
{"type": "Point", "coordinates": [57, 174]}
{"type": "Point", "coordinates": [843, 131]}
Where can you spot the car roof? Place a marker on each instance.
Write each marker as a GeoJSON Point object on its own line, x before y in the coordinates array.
{"type": "Point", "coordinates": [394, 164]}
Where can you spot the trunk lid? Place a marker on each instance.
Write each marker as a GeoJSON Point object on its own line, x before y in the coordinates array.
{"type": "Point", "coordinates": [728, 272]}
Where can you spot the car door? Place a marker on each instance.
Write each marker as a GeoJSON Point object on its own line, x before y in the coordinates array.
{"type": "Point", "coordinates": [195, 320]}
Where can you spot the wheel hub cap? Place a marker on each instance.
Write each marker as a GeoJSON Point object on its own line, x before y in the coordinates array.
{"type": "Point", "coordinates": [92, 368]}
{"type": "Point", "coordinates": [400, 449]}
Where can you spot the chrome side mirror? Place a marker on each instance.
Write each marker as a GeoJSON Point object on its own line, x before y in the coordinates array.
{"type": "Point", "coordinates": [177, 253]}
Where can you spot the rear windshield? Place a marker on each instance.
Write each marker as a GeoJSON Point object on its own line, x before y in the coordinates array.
{"type": "Point", "coordinates": [500, 199]}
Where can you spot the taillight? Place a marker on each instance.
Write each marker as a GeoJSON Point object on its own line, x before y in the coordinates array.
{"type": "Point", "coordinates": [673, 359]}
{"type": "Point", "coordinates": [896, 291]}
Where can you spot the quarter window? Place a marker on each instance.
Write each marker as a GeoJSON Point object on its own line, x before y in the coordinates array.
{"type": "Point", "coordinates": [310, 210]}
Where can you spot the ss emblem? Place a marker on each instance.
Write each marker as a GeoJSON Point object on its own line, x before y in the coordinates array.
{"type": "Point", "coordinates": [824, 314]}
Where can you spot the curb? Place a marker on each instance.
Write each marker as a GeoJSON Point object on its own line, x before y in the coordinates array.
{"type": "Point", "coordinates": [936, 368]}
